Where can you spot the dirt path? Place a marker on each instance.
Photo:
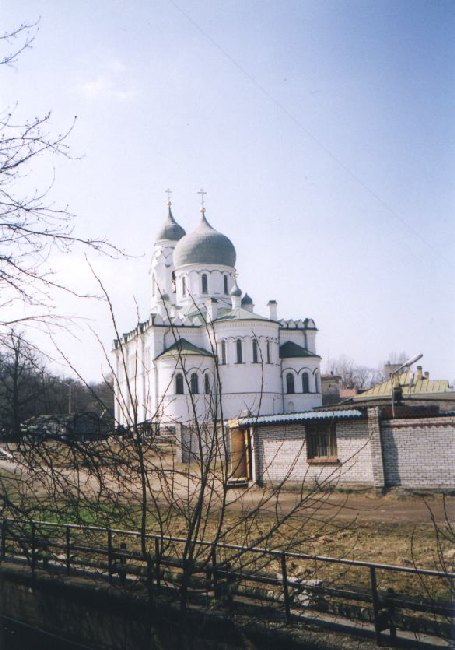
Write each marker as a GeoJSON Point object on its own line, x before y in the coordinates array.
{"type": "Point", "coordinates": [365, 507]}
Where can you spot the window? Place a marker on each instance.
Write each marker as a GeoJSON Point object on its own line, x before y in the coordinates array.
{"type": "Point", "coordinates": [204, 283]}
{"type": "Point", "coordinates": [290, 383]}
{"type": "Point", "coordinates": [255, 351]}
{"type": "Point", "coordinates": [225, 280]}
{"type": "Point", "coordinates": [305, 383]}
{"type": "Point", "coordinates": [173, 281]}
{"type": "Point", "coordinates": [316, 383]}
{"type": "Point", "coordinates": [238, 344]}
{"type": "Point", "coordinates": [268, 352]}
{"type": "Point", "coordinates": [183, 286]}
{"type": "Point", "coordinates": [223, 353]}
{"type": "Point", "coordinates": [179, 384]}
{"type": "Point", "coordinates": [206, 384]}
{"type": "Point", "coordinates": [194, 383]}
{"type": "Point", "coordinates": [321, 441]}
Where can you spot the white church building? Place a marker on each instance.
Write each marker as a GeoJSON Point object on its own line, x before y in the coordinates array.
{"type": "Point", "coordinates": [204, 351]}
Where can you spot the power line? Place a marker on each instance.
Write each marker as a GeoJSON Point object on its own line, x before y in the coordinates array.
{"type": "Point", "coordinates": [309, 134]}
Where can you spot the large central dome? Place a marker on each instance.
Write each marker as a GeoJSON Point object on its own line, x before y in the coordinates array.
{"type": "Point", "coordinates": [205, 246]}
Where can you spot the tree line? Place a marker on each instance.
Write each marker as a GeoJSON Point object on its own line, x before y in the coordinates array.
{"type": "Point", "coordinates": [28, 388]}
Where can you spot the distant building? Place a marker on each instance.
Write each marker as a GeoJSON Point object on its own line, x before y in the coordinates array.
{"type": "Point", "coordinates": [204, 350]}
{"type": "Point", "coordinates": [331, 387]}
{"type": "Point", "coordinates": [410, 388]}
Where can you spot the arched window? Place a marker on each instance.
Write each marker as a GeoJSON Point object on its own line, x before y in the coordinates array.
{"type": "Point", "coordinates": [290, 383]}
{"type": "Point", "coordinates": [173, 281]}
{"type": "Point", "coordinates": [305, 383]}
{"type": "Point", "coordinates": [223, 353]}
{"type": "Point", "coordinates": [194, 383]}
{"type": "Point", "coordinates": [268, 352]}
{"type": "Point", "coordinates": [204, 283]}
{"type": "Point", "coordinates": [226, 289]}
{"type": "Point", "coordinates": [316, 383]}
{"type": "Point", "coordinates": [255, 351]}
{"type": "Point", "coordinates": [207, 384]}
{"type": "Point", "coordinates": [183, 286]}
{"type": "Point", "coordinates": [179, 384]}
{"type": "Point", "coordinates": [238, 344]}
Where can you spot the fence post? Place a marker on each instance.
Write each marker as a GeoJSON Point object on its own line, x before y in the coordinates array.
{"type": "Point", "coordinates": [284, 572]}
{"type": "Point", "coordinates": [157, 561]}
{"type": "Point", "coordinates": [109, 555]}
{"type": "Point", "coordinates": [122, 568]}
{"type": "Point", "coordinates": [214, 572]}
{"type": "Point", "coordinates": [33, 549]}
{"type": "Point", "coordinates": [68, 550]}
{"type": "Point", "coordinates": [3, 550]}
{"type": "Point", "coordinates": [375, 597]}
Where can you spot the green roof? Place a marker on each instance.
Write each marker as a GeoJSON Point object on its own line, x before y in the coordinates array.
{"type": "Point", "coordinates": [410, 385]}
{"type": "Point", "coordinates": [238, 314]}
{"type": "Point", "coordinates": [182, 346]}
{"type": "Point", "coordinates": [290, 350]}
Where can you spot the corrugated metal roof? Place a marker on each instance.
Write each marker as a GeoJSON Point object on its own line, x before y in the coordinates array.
{"type": "Point", "coordinates": [300, 417]}
{"type": "Point", "coordinates": [410, 385]}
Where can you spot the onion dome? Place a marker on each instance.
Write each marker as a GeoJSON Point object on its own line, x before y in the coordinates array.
{"type": "Point", "coordinates": [235, 291]}
{"type": "Point", "coordinates": [205, 246]}
{"type": "Point", "coordinates": [171, 230]}
{"type": "Point", "coordinates": [246, 300]}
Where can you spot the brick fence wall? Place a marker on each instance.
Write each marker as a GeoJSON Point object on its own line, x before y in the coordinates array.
{"type": "Point", "coordinates": [419, 453]}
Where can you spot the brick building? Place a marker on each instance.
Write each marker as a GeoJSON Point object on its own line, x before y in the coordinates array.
{"type": "Point", "coordinates": [362, 447]}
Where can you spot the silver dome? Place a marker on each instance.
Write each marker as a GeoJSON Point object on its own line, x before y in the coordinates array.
{"type": "Point", "coordinates": [171, 230]}
{"type": "Point", "coordinates": [205, 246]}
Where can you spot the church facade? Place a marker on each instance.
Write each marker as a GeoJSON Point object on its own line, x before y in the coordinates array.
{"type": "Point", "coordinates": [204, 352]}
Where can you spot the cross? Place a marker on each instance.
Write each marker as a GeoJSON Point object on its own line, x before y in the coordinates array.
{"type": "Point", "coordinates": [168, 192]}
{"type": "Point", "coordinates": [201, 192]}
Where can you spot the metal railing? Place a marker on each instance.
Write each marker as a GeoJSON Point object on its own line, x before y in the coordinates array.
{"type": "Point", "coordinates": [232, 573]}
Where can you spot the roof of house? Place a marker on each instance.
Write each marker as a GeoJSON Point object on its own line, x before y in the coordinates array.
{"type": "Point", "coordinates": [411, 386]}
{"type": "Point", "coordinates": [283, 418]}
{"type": "Point", "coordinates": [182, 346]}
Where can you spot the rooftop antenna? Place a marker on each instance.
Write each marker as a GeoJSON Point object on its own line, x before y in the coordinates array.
{"type": "Point", "coordinates": [394, 376]}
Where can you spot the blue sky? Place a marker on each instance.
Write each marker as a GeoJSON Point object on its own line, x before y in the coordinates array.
{"type": "Point", "coordinates": [322, 131]}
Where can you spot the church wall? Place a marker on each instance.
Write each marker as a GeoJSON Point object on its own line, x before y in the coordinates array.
{"type": "Point", "coordinates": [300, 401]}
{"type": "Point", "coordinates": [193, 278]}
{"type": "Point", "coordinates": [175, 407]}
{"type": "Point", "coordinates": [295, 335]}
{"type": "Point", "coordinates": [249, 377]}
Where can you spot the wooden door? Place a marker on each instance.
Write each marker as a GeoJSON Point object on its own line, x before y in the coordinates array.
{"type": "Point", "coordinates": [240, 455]}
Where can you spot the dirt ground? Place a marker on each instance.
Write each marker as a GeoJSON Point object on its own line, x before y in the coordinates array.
{"type": "Point", "coordinates": [392, 507]}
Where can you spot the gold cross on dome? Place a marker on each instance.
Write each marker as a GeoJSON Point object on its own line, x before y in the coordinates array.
{"type": "Point", "coordinates": [168, 192]}
{"type": "Point", "coordinates": [202, 192]}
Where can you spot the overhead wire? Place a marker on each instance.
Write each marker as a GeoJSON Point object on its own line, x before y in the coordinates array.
{"type": "Point", "coordinates": [309, 134]}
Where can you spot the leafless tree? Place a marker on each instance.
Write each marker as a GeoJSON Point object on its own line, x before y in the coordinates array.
{"type": "Point", "coordinates": [32, 227]}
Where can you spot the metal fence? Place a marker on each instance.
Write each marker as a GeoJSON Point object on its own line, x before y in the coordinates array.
{"type": "Point", "coordinates": [236, 576]}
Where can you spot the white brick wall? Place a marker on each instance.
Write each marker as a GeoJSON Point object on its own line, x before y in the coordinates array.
{"type": "Point", "coordinates": [420, 453]}
{"type": "Point", "coordinates": [281, 454]}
